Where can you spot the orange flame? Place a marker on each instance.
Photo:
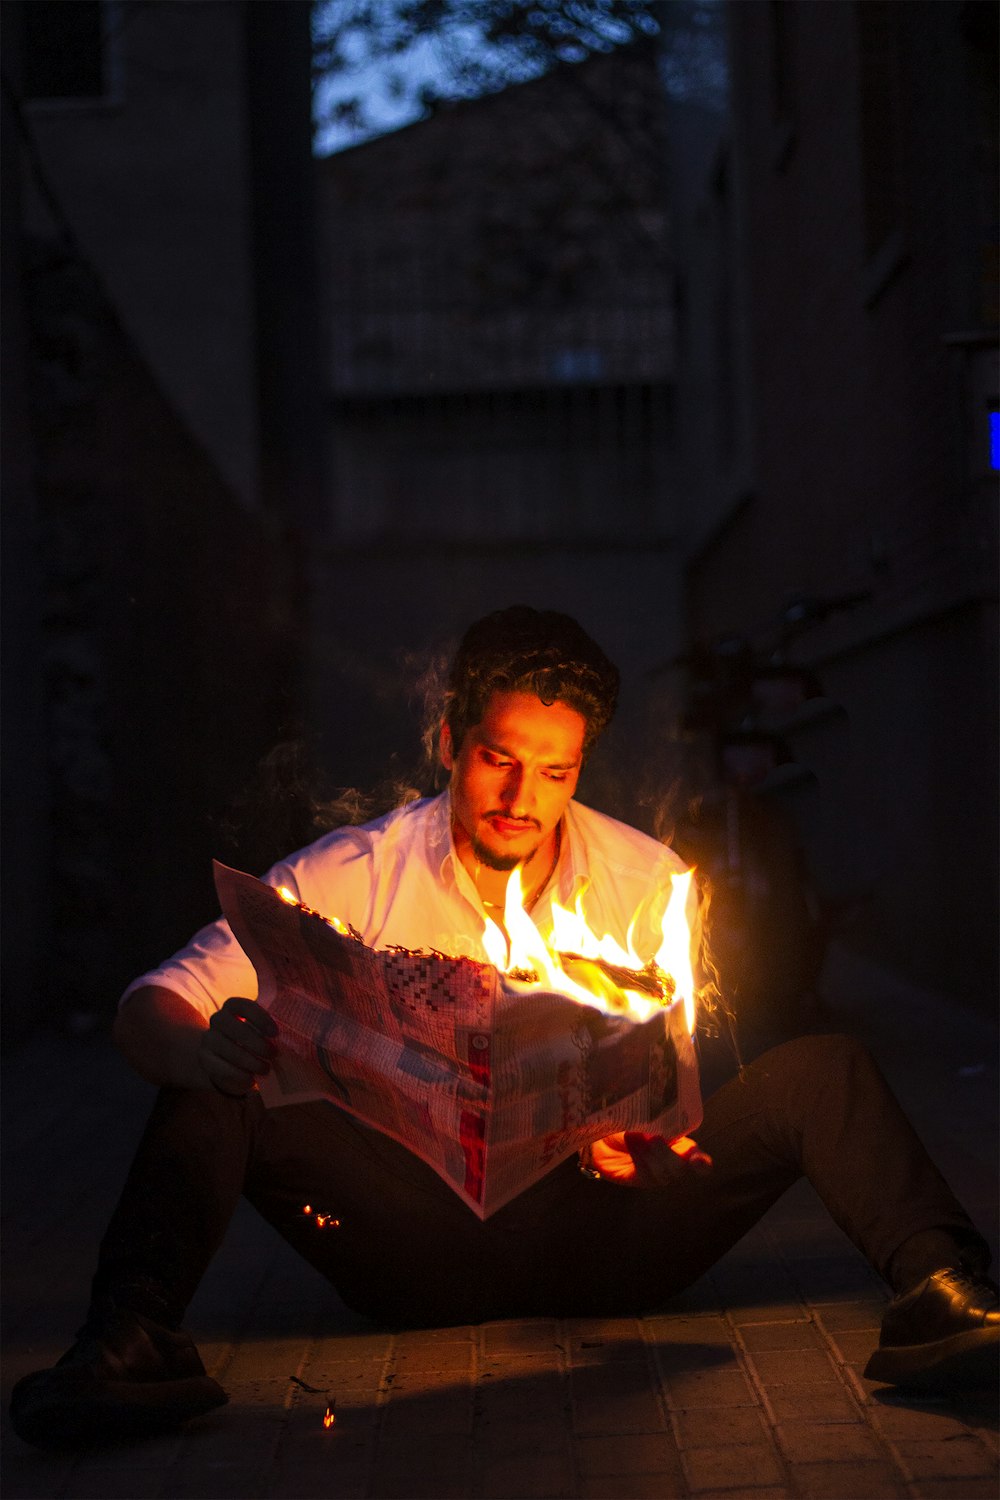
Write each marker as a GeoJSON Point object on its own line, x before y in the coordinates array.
{"type": "Point", "coordinates": [292, 900]}
{"type": "Point", "coordinates": [573, 938]}
{"type": "Point", "coordinates": [328, 1417]}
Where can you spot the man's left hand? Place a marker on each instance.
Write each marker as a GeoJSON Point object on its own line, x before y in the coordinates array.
{"type": "Point", "coordinates": [636, 1159]}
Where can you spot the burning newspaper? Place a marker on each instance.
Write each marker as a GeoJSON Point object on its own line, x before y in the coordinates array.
{"type": "Point", "coordinates": [490, 1081]}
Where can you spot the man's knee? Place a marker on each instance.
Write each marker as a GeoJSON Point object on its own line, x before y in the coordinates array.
{"type": "Point", "coordinates": [209, 1102]}
{"type": "Point", "coordinates": [819, 1057]}
{"type": "Point", "coordinates": [202, 1118]}
{"type": "Point", "coordinates": [833, 1065]}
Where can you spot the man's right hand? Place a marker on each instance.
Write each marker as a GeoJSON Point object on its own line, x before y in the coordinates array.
{"type": "Point", "coordinates": [237, 1046]}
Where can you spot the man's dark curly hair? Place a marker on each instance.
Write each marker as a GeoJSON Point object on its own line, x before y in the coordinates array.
{"type": "Point", "coordinates": [536, 651]}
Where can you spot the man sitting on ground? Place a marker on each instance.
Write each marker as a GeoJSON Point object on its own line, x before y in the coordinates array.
{"type": "Point", "coordinates": [529, 693]}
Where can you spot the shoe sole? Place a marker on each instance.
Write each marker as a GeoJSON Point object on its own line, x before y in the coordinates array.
{"type": "Point", "coordinates": [81, 1412]}
{"type": "Point", "coordinates": [966, 1361]}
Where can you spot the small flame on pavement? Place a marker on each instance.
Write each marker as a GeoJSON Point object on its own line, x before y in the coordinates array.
{"type": "Point", "coordinates": [329, 1416]}
{"type": "Point", "coordinates": [322, 1221]}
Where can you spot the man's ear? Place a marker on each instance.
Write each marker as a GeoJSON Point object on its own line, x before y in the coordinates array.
{"type": "Point", "coordinates": [446, 749]}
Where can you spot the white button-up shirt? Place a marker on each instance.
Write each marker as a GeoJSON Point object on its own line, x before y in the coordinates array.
{"type": "Point", "coordinates": [399, 881]}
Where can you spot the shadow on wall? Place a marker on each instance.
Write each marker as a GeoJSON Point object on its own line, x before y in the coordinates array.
{"type": "Point", "coordinates": [168, 650]}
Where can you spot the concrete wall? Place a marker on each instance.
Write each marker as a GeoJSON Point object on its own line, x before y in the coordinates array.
{"type": "Point", "coordinates": [167, 655]}
{"type": "Point", "coordinates": [866, 469]}
{"type": "Point", "coordinates": [576, 463]}
{"type": "Point", "coordinates": [918, 835]}
{"type": "Point", "coordinates": [160, 376]}
{"type": "Point", "coordinates": [155, 183]}
{"type": "Point", "coordinates": [25, 790]}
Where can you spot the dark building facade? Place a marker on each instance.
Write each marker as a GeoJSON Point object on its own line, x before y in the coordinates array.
{"type": "Point", "coordinates": [838, 371]}
{"type": "Point", "coordinates": [500, 315]}
{"type": "Point", "coordinates": [158, 466]}
{"type": "Point", "coordinates": [500, 382]}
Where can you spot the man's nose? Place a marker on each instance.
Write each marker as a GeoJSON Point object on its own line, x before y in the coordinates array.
{"type": "Point", "coordinates": [518, 797]}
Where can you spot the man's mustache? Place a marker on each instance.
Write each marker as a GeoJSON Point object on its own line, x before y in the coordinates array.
{"type": "Point", "coordinates": [499, 812]}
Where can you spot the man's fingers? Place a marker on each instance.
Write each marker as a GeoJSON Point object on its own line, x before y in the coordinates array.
{"type": "Point", "coordinates": [229, 1067]}
{"type": "Point", "coordinates": [251, 1059]}
{"type": "Point", "coordinates": [228, 1080]}
{"type": "Point", "coordinates": [610, 1159]}
{"type": "Point", "coordinates": [238, 1045]}
{"type": "Point", "coordinates": [691, 1154]}
{"type": "Point", "coordinates": [658, 1161]}
{"type": "Point", "coordinates": [239, 1034]}
{"type": "Point", "coordinates": [248, 1012]}
{"type": "Point", "coordinates": [247, 1024]}
{"type": "Point", "coordinates": [634, 1158]}
{"type": "Point", "coordinates": [655, 1163]}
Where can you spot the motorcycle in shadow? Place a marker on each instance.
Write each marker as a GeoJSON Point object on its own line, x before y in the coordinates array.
{"type": "Point", "coordinates": [769, 918]}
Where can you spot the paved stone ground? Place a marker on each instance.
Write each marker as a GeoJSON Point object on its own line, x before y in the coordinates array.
{"type": "Point", "coordinates": [749, 1386]}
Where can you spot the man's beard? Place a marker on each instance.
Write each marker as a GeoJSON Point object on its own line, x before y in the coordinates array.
{"type": "Point", "coordinates": [502, 862]}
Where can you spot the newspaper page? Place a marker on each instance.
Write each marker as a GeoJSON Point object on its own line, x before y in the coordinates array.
{"type": "Point", "coordinates": [490, 1081]}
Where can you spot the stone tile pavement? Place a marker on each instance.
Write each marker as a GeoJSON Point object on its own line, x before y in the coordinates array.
{"type": "Point", "coordinates": [749, 1386]}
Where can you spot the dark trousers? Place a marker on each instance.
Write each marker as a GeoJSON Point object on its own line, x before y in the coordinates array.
{"type": "Point", "coordinates": [407, 1250]}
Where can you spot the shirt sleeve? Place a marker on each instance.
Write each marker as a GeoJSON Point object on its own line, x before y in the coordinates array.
{"type": "Point", "coordinates": [333, 876]}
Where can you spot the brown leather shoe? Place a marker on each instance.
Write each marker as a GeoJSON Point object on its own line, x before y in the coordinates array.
{"type": "Point", "coordinates": [943, 1334]}
{"type": "Point", "coordinates": [125, 1377]}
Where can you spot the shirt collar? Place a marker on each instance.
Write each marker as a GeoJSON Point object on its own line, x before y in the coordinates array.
{"type": "Point", "coordinates": [574, 867]}
{"type": "Point", "coordinates": [441, 857]}
{"type": "Point", "coordinates": [444, 857]}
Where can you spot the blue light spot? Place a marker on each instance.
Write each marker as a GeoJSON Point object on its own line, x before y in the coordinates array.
{"type": "Point", "coordinates": [995, 440]}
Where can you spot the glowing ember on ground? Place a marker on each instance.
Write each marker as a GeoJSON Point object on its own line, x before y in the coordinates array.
{"type": "Point", "coordinates": [322, 1221]}
{"type": "Point", "coordinates": [328, 1417]}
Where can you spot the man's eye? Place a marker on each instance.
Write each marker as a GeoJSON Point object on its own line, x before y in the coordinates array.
{"type": "Point", "coordinates": [497, 761]}
{"type": "Point", "coordinates": [556, 775]}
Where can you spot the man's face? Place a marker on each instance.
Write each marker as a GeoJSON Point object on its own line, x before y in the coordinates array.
{"type": "Point", "coordinates": [513, 775]}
